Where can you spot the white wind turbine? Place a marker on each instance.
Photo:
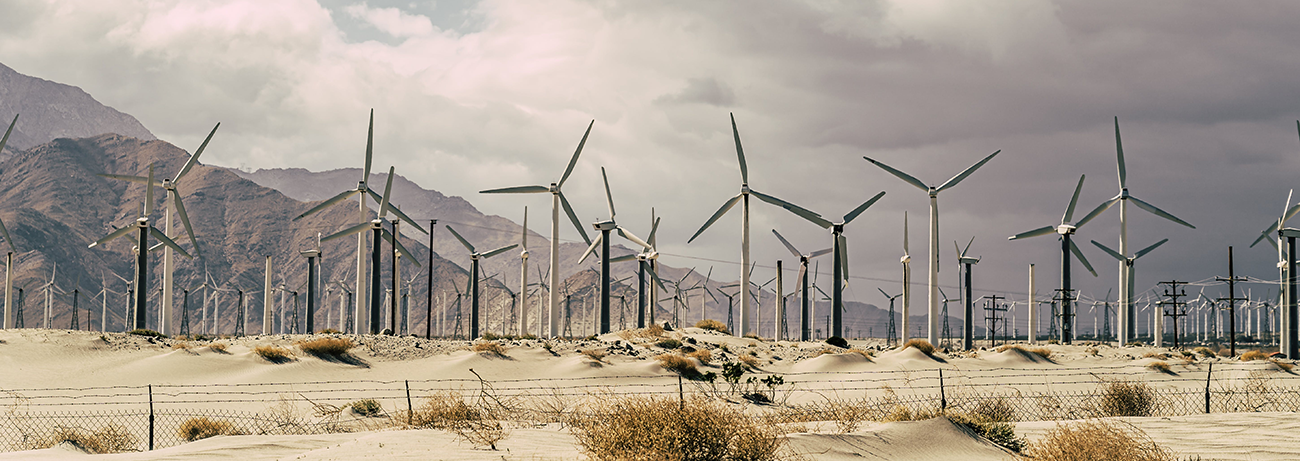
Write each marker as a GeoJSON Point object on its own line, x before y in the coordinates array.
{"type": "Point", "coordinates": [1127, 263]}
{"type": "Point", "coordinates": [361, 191]}
{"type": "Point", "coordinates": [933, 192]}
{"type": "Point", "coordinates": [523, 276]}
{"type": "Point", "coordinates": [9, 257]}
{"type": "Point", "coordinates": [906, 261]}
{"type": "Point", "coordinates": [603, 241]}
{"type": "Point", "coordinates": [840, 263]}
{"type": "Point", "coordinates": [173, 200]}
{"type": "Point", "coordinates": [557, 200]}
{"type": "Point", "coordinates": [805, 315]}
{"type": "Point", "coordinates": [474, 271]}
{"type": "Point", "coordinates": [1126, 330]}
{"type": "Point", "coordinates": [746, 312]}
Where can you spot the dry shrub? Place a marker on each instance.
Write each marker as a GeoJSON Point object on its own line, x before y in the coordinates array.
{"type": "Point", "coordinates": [1126, 398]}
{"type": "Point", "coordinates": [750, 361]}
{"type": "Point", "coordinates": [920, 345]}
{"type": "Point", "coordinates": [1204, 351]}
{"type": "Point", "coordinates": [864, 353]}
{"type": "Point", "coordinates": [202, 428]}
{"type": "Point", "coordinates": [1282, 365]}
{"type": "Point", "coordinates": [654, 331]}
{"type": "Point", "coordinates": [329, 331]}
{"type": "Point", "coordinates": [112, 438]}
{"type": "Point", "coordinates": [274, 354]}
{"type": "Point", "coordinates": [703, 355]}
{"type": "Point", "coordinates": [1039, 351]}
{"type": "Point", "coordinates": [679, 364]}
{"type": "Point", "coordinates": [656, 428]}
{"type": "Point", "coordinates": [444, 410]}
{"type": "Point", "coordinates": [492, 348]}
{"type": "Point", "coordinates": [1093, 351]}
{"type": "Point", "coordinates": [710, 324]}
{"type": "Point", "coordinates": [326, 347]}
{"type": "Point", "coordinates": [367, 407]}
{"type": "Point", "coordinates": [1253, 355]}
{"type": "Point", "coordinates": [594, 354]}
{"type": "Point", "coordinates": [1155, 355]}
{"type": "Point", "coordinates": [1097, 440]}
{"type": "Point", "coordinates": [1160, 366]}
{"type": "Point", "coordinates": [991, 420]}
{"type": "Point", "coordinates": [182, 347]}
{"type": "Point", "coordinates": [218, 348]}
{"type": "Point", "coordinates": [669, 343]}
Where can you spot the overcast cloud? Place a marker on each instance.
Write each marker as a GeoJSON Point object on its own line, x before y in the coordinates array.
{"type": "Point", "coordinates": [477, 95]}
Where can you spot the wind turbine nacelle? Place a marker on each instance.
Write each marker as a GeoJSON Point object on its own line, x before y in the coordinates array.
{"type": "Point", "coordinates": [142, 222]}
{"type": "Point", "coordinates": [554, 188]}
{"type": "Point", "coordinates": [1065, 229]}
{"type": "Point", "coordinates": [604, 226]}
{"type": "Point", "coordinates": [744, 189]}
{"type": "Point", "coordinates": [523, 254]}
{"type": "Point", "coordinates": [971, 261]}
{"type": "Point", "coordinates": [905, 259]}
{"type": "Point", "coordinates": [361, 186]}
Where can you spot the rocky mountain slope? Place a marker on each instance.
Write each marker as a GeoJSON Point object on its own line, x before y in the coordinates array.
{"type": "Point", "coordinates": [51, 110]}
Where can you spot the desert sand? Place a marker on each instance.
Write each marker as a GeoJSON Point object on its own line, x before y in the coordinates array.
{"type": "Point", "coordinates": [66, 371]}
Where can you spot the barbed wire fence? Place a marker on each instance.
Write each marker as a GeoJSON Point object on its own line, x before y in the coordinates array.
{"type": "Point", "coordinates": [137, 418]}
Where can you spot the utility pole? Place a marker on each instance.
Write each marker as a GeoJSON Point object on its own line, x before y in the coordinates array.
{"type": "Point", "coordinates": [1173, 293]}
{"type": "Point", "coordinates": [428, 317]}
{"type": "Point", "coordinates": [1232, 304]}
{"type": "Point", "coordinates": [991, 310]}
{"type": "Point", "coordinates": [1061, 314]}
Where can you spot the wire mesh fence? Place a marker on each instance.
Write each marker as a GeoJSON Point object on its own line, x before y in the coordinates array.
{"type": "Point", "coordinates": [135, 418]}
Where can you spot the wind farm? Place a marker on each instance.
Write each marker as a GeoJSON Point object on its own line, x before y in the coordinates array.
{"type": "Point", "coordinates": [452, 328]}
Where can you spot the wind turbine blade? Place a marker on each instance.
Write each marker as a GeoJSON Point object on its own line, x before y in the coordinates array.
{"type": "Point", "coordinates": [517, 190]}
{"type": "Point", "coordinates": [5, 231]}
{"type": "Point", "coordinates": [803, 269]}
{"type": "Point", "coordinates": [863, 207]}
{"type": "Point", "coordinates": [740, 151]}
{"type": "Point", "coordinates": [1074, 200]}
{"type": "Point", "coordinates": [619, 259]}
{"type": "Point", "coordinates": [185, 220]}
{"type": "Point", "coordinates": [968, 244]}
{"type": "Point", "coordinates": [591, 248]}
{"type": "Point", "coordinates": [346, 232]}
{"type": "Point", "coordinates": [1097, 211]}
{"type": "Point", "coordinates": [115, 234]}
{"type": "Point", "coordinates": [634, 239]}
{"type": "Point", "coordinates": [400, 215]}
{"type": "Point", "coordinates": [882, 291]}
{"type": "Point", "coordinates": [655, 276]}
{"type": "Point", "coordinates": [1033, 233]}
{"type": "Point", "coordinates": [796, 209]}
{"type": "Point", "coordinates": [1146, 250]}
{"type": "Point", "coordinates": [718, 214]}
{"type": "Point", "coordinates": [1079, 254]}
{"type": "Point", "coordinates": [323, 205]}
{"type": "Point", "coordinates": [1263, 236]}
{"type": "Point", "coordinates": [370, 148]}
{"type": "Point", "coordinates": [195, 158]}
{"type": "Point", "coordinates": [461, 239]}
{"type": "Point", "coordinates": [1112, 253]}
{"type": "Point", "coordinates": [960, 176]}
{"type": "Point", "coordinates": [1119, 155]}
{"type": "Point", "coordinates": [787, 244]}
{"type": "Point", "coordinates": [388, 190]}
{"type": "Point", "coordinates": [820, 252]}
{"type": "Point", "coordinates": [1158, 212]}
{"type": "Point", "coordinates": [574, 161]}
{"type": "Point", "coordinates": [523, 232]}
{"type": "Point", "coordinates": [123, 177]}
{"type": "Point", "coordinates": [905, 251]}
{"type": "Point", "coordinates": [901, 175]}
{"type": "Point", "coordinates": [396, 243]}
{"type": "Point", "coordinates": [844, 256]}
{"type": "Point", "coordinates": [609, 198]}
{"type": "Point", "coordinates": [148, 193]}
{"type": "Point", "coordinates": [5, 139]}
{"type": "Point", "coordinates": [168, 241]}
{"type": "Point", "coordinates": [573, 218]}
{"type": "Point", "coordinates": [956, 247]}
{"type": "Point", "coordinates": [653, 229]}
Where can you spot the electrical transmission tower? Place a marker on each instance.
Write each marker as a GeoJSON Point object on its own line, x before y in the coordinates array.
{"type": "Point", "coordinates": [1232, 304]}
{"type": "Point", "coordinates": [991, 310]}
{"type": "Point", "coordinates": [1175, 310]}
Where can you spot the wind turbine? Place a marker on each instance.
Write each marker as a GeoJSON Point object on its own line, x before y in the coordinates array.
{"type": "Point", "coordinates": [557, 200]}
{"type": "Point", "coordinates": [968, 327]}
{"type": "Point", "coordinates": [1127, 263]}
{"type": "Point", "coordinates": [361, 191]}
{"type": "Point", "coordinates": [474, 257]}
{"type": "Point", "coordinates": [1065, 229]}
{"type": "Point", "coordinates": [142, 255]}
{"type": "Point", "coordinates": [840, 265]}
{"type": "Point", "coordinates": [377, 228]}
{"type": "Point", "coordinates": [606, 227]}
{"type": "Point", "coordinates": [906, 261]}
{"type": "Point", "coordinates": [9, 257]}
{"type": "Point", "coordinates": [805, 316]}
{"type": "Point", "coordinates": [523, 276]}
{"type": "Point", "coordinates": [933, 192]}
{"type": "Point", "coordinates": [645, 263]}
{"type": "Point", "coordinates": [1126, 330]}
{"type": "Point", "coordinates": [743, 198]}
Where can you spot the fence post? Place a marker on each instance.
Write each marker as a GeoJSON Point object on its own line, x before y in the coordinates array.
{"type": "Point", "coordinates": [409, 410]}
{"type": "Point", "coordinates": [943, 398]}
{"type": "Point", "coordinates": [1208, 373]}
{"type": "Point", "coordinates": [681, 394]}
{"type": "Point", "coordinates": [151, 417]}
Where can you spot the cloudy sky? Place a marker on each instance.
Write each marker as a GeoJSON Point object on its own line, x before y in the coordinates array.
{"type": "Point", "coordinates": [470, 95]}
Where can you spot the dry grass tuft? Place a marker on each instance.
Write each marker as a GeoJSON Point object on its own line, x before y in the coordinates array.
{"type": "Point", "coordinates": [1097, 440]}
{"type": "Point", "coordinates": [679, 364]}
{"type": "Point", "coordinates": [710, 324]}
{"type": "Point", "coordinates": [703, 355]}
{"type": "Point", "coordinates": [1284, 366]}
{"type": "Point", "coordinates": [864, 353]}
{"type": "Point", "coordinates": [1253, 355]}
{"type": "Point", "coordinates": [1205, 352]}
{"type": "Point", "coordinates": [182, 347]}
{"type": "Point", "coordinates": [492, 348]}
{"type": "Point", "coordinates": [920, 345]}
{"type": "Point", "coordinates": [202, 428]}
{"type": "Point", "coordinates": [1160, 366]}
{"type": "Point", "coordinates": [657, 428]}
{"type": "Point", "coordinates": [1093, 352]}
{"type": "Point", "coordinates": [112, 438]}
{"type": "Point", "coordinates": [1126, 398]}
{"type": "Point", "coordinates": [218, 348]}
{"type": "Point", "coordinates": [1155, 355]}
{"type": "Point", "coordinates": [326, 347]}
{"type": "Point", "coordinates": [594, 354]}
{"type": "Point", "coordinates": [367, 407]}
{"type": "Point", "coordinates": [1039, 351]}
{"type": "Point", "coordinates": [273, 354]}
{"type": "Point", "coordinates": [750, 361]}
